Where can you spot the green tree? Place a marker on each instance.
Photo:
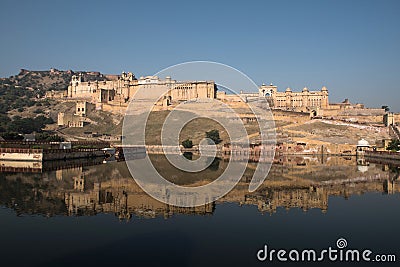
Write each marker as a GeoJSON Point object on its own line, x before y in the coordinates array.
{"type": "Point", "coordinates": [214, 166]}
{"type": "Point", "coordinates": [12, 136]}
{"type": "Point", "coordinates": [394, 145]}
{"type": "Point", "coordinates": [188, 155]}
{"type": "Point", "coordinates": [4, 121]}
{"type": "Point", "coordinates": [214, 135]}
{"type": "Point", "coordinates": [48, 137]}
{"type": "Point", "coordinates": [28, 125]}
{"type": "Point", "coordinates": [187, 143]}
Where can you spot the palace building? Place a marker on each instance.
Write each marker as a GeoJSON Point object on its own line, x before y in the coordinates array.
{"type": "Point", "coordinates": [290, 100]}
{"type": "Point", "coordinates": [114, 92]}
{"type": "Point", "coordinates": [120, 89]}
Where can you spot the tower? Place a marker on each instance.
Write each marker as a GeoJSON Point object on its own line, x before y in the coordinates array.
{"type": "Point", "coordinates": [267, 90]}
{"type": "Point", "coordinates": [81, 108]}
{"type": "Point", "coordinates": [324, 100]}
{"type": "Point", "coordinates": [288, 97]}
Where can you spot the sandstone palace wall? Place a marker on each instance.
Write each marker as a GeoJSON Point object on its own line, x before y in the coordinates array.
{"type": "Point", "coordinates": [120, 90]}
{"type": "Point", "coordinates": [114, 92]}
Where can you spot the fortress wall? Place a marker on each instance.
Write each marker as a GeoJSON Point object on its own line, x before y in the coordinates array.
{"type": "Point", "coordinates": [290, 116]}
{"type": "Point", "coordinates": [315, 149]}
{"type": "Point", "coordinates": [329, 112]}
{"type": "Point", "coordinates": [56, 94]}
{"type": "Point", "coordinates": [293, 119]}
{"type": "Point", "coordinates": [355, 112]}
{"type": "Point", "coordinates": [290, 113]}
{"type": "Point", "coordinates": [113, 108]}
{"type": "Point", "coordinates": [361, 119]}
{"type": "Point", "coordinates": [111, 76]}
{"type": "Point", "coordinates": [229, 98]}
{"type": "Point", "coordinates": [334, 107]}
{"type": "Point", "coordinates": [363, 112]}
{"type": "Point", "coordinates": [397, 117]}
{"type": "Point", "coordinates": [221, 95]}
{"type": "Point", "coordinates": [356, 115]}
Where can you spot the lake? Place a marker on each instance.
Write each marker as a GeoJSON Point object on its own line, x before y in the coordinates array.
{"type": "Point", "coordinates": [96, 215]}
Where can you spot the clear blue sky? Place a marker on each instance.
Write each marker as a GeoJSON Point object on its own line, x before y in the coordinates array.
{"type": "Point", "coordinates": [352, 47]}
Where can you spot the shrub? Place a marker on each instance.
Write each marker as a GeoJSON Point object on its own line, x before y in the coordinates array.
{"type": "Point", "coordinates": [187, 143]}
{"type": "Point", "coordinates": [48, 137]}
{"type": "Point", "coordinates": [12, 136]}
{"type": "Point", "coordinates": [394, 145]}
{"type": "Point", "coordinates": [214, 135]}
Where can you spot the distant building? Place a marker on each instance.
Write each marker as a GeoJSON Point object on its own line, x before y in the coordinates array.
{"type": "Point", "coordinates": [76, 119]}
{"type": "Point", "coordinates": [305, 99]}
{"type": "Point", "coordinates": [122, 88]}
{"type": "Point", "coordinates": [388, 119]}
{"type": "Point", "coordinates": [69, 120]}
{"type": "Point", "coordinates": [55, 94]}
{"type": "Point", "coordinates": [81, 108]}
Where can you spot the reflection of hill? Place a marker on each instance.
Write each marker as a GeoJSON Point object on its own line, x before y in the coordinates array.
{"type": "Point", "coordinates": [30, 197]}
{"type": "Point", "coordinates": [295, 182]}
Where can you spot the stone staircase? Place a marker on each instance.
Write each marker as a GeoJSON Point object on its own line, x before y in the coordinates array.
{"type": "Point", "coordinates": [394, 132]}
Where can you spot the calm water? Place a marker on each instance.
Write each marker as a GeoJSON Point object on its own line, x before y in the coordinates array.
{"type": "Point", "coordinates": [97, 215]}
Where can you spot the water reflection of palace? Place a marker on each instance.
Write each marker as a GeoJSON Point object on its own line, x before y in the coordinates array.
{"type": "Point", "coordinates": [123, 197]}
{"type": "Point", "coordinates": [293, 182]}
{"type": "Point", "coordinates": [313, 197]}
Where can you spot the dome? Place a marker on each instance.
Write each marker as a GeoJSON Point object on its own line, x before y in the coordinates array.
{"type": "Point", "coordinates": [288, 89]}
{"type": "Point", "coordinates": [305, 89]}
{"type": "Point", "coordinates": [324, 88]}
{"type": "Point", "coordinates": [363, 142]}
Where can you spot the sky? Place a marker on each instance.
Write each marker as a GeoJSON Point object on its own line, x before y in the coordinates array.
{"type": "Point", "coordinates": [351, 47]}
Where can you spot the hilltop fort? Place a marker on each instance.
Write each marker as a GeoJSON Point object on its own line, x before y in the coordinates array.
{"type": "Point", "coordinates": [90, 105]}
{"type": "Point", "coordinates": [113, 92]}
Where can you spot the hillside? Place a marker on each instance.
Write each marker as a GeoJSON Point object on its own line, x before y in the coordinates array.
{"type": "Point", "coordinates": [23, 108]}
{"type": "Point", "coordinates": [45, 80]}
